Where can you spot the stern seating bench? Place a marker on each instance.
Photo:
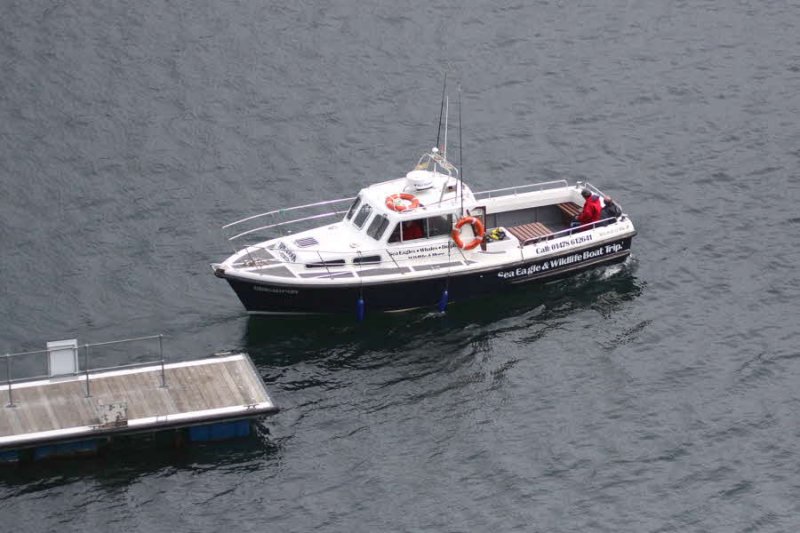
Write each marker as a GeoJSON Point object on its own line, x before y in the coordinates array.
{"type": "Point", "coordinates": [570, 210]}
{"type": "Point", "coordinates": [529, 231]}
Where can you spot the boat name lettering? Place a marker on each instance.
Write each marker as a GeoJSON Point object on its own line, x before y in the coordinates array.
{"type": "Point", "coordinates": [286, 253]}
{"type": "Point", "coordinates": [551, 247]}
{"type": "Point", "coordinates": [274, 290]}
{"type": "Point", "coordinates": [558, 262]}
{"type": "Point", "coordinates": [422, 251]}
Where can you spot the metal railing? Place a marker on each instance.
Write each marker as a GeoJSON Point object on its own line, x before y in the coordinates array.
{"type": "Point", "coordinates": [87, 353]}
{"type": "Point", "coordinates": [276, 217]}
{"type": "Point", "coordinates": [519, 189]}
{"type": "Point", "coordinates": [322, 257]}
{"type": "Point", "coordinates": [278, 213]}
{"type": "Point", "coordinates": [592, 188]}
{"type": "Point", "coordinates": [334, 262]}
{"type": "Point", "coordinates": [568, 231]}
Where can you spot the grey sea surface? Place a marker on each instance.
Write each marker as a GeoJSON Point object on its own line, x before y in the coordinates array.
{"type": "Point", "coordinates": [659, 395]}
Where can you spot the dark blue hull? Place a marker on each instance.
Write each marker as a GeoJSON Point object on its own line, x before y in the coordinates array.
{"type": "Point", "coordinates": [421, 293]}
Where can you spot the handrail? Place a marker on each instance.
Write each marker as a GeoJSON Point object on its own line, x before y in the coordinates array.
{"type": "Point", "coordinates": [546, 184]}
{"type": "Point", "coordinates": [92, 345]}
{"type": "Point", "coordinates": [540, 186]}
{"type": "Point", "coordinates": [587, 185]}
{"type": "Point", "coordinates": [278, 211]}
{"type": "Point", "coordinates": [86, 371]}
{"type": "Point", "coordinates": [517, 189]}
{"type": "Point", "coordinates": [123, 341]}
{"type": "Point", "coordinates": [398, 259]}
{"type": "Point", "coordinates": [121, 367]}
{"type": "Point", "coordinates": [407, 245]}
{"type": "Point", "coordinates": [565, 232]}
{"type": "Point", "coordinates": [284, 223]}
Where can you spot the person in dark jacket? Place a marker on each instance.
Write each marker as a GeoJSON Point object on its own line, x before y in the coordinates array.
{"type": "Point", "coordinates": [611, 210]}
{"type": "Point", "coordinates": [591, 209]}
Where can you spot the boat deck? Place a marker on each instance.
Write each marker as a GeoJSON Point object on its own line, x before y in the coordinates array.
{"type": "Point", "coordinates": [58, 409]}
{"type": "Point", "coordinates": [525, 232]}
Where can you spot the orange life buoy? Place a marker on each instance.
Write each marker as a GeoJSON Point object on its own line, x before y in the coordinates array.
{"type": "Point", "coordinates": [402, 201]}
{"type": "Point", "coordinates": [477, 229]}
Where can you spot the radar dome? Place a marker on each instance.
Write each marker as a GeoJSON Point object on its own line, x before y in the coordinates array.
{"type": "Point", "coordinates": [420, 179]}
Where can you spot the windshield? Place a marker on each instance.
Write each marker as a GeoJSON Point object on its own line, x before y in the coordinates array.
{"type": "Point", "coordinates": [377, 227]}
{"type": "Point", "coordinates": [353, 208]}
{"type": "Point", "coordinates": [362, 216]}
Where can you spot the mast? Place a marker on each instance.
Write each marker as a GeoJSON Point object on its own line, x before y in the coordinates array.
{"type": "Point", "coordinates": [460, 155]}
{"type": "Point", "coordinates": [441, 110]}
{"type": "Point", "coordinates": [446, 117]}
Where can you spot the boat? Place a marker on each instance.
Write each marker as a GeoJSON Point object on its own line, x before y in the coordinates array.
{"type": "Point", "coordinates": [422, 240]}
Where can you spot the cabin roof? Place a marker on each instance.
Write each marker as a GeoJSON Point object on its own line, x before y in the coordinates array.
{"type": "Point", "coordinates": [432, 200]}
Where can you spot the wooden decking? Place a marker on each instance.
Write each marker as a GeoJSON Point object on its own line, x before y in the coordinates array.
{"type": "Point", "coordinates": [570, 209]}
{"type": "Point", "coordinates": [526, 232]}
{"type": "Point", "coordinates": [205, 389]}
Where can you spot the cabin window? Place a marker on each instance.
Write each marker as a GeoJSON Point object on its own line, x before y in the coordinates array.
{"type": "Point", "coordinates": [421, 228]}
{"type": "Point", "coordinates": [377, 227]}
{"type": "Point", "coordinates": [362, 216]}
{"type": "Point", "coordinates": [326, 264]}
{"type": "Point", "coordinates": [408, 230]}
{"type": "Point", "coordinates": [441, 225]}
{"type": "Point", "coordinates": [367, 260]}
{"type": "Point", "coordinates": [353, 208]}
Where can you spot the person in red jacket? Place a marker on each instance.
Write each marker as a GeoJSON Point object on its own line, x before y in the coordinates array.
{"type": "Point", "coordinates": [412, 229]}
{"type": "Point", "coordinates": [591, 209]}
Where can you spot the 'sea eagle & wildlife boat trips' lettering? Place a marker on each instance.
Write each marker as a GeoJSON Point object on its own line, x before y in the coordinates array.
{"type": "Point", "coordinates": [419, 241]}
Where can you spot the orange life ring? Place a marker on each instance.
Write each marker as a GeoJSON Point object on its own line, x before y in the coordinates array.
{"type": "Point", "coordinates": [402, 201]}
{"type": "Point", "coordinates": [477, 229]}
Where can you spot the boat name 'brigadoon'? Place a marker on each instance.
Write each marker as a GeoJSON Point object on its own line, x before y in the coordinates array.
{"type": "Point", "coordinates": [273, 290]}
{"type": "Point", "coordinates": [560, 262]}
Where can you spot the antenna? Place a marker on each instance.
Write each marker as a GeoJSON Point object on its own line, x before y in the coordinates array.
{"type": "Point", "coordinates": [460, 154]}
{"type": "Point", "coordinates": [441, 109]}
{"type": "Point", "coordinates": [446, 116]}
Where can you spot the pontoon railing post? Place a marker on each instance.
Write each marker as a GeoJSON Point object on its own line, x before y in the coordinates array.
{"type": "Point", "coordinates": [161, 351]}
{"type": "Point", "coordinates": [8, 379]}
{"type": "Point", "coordinates": [86, 369]}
